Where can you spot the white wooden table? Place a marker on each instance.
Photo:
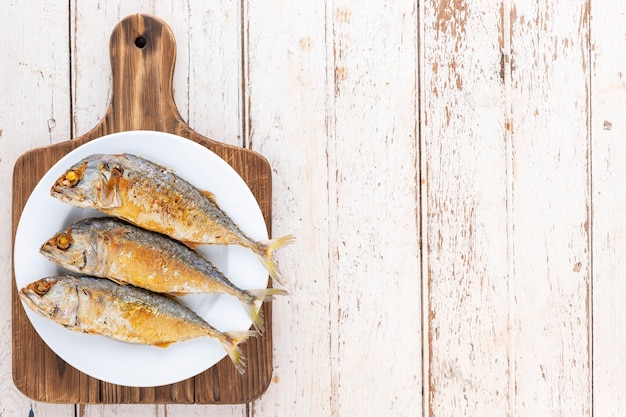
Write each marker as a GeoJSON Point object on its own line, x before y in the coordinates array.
{"type": "Point", "coordinates": [454, 172]}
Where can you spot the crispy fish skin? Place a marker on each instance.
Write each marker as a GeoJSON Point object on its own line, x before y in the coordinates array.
{"type": "Point", "coordinates": [107, 247]}
{"type": "Point", "coordinates": [155, 198]}
{"type": "Point", "coordinates": [126, 313]}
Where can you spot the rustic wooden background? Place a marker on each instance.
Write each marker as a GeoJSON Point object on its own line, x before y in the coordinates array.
{"type": "Point", "coordinates": [454, 172]}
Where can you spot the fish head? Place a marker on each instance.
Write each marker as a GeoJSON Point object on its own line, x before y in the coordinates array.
{"type": "Point", "coordinates": [53, 298]}
{"type": "Point", "coordinates": [75, 186]}
{"type": "Point", "coordinates": [71, 249]}
{"type": "Point", "coordinates": [90, 183]}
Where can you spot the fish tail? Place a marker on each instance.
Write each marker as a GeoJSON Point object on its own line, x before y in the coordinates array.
{"type": "Point", "coordinates": [252, 305]}
{"type": "Point", "coordinates": [231, 342]}
{"type": "Point", "coordinates": [265, 251]}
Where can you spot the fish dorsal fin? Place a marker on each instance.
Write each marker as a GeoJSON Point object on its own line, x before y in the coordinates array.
{"type": "Point", "coordinates": [191, 245]}
{"type": "Point", "coordinates": [173, 295]}
{"type": "Point", "coordinates": [118, 281]}
{"type": "Point", "coordinates": [209, 195]}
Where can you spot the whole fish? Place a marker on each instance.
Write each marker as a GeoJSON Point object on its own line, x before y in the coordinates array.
{"type": "Point", "coordinates": [155, 198]}
{"type": "Point", "coordinates": [123, 312]}
{"type": "Point", "coordinates": [107, 247]}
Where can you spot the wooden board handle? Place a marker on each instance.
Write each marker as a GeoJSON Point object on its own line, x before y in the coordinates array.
{"type": "Point", "coordinates": [143, 53]}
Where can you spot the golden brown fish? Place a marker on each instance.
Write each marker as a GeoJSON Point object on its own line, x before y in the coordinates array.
{"type": "Point", "coordinates": [154, 198]}
{"type": "Point", "coordinates": [111, 248]}
{"type": "Point", "coordinates": [123, 312]}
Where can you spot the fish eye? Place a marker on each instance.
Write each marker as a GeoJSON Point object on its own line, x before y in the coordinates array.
{"type": "Point", "coordinates": [63, 240]}
{"type": "Point", "coordinates": [42, 287]}
{"type": "Point", "coordinates": [73, 176]}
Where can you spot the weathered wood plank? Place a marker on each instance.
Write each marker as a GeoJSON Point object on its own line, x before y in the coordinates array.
{"type": "Point", "coordinates": [608, 129]}
{"type": "Point", "coordinates": [34, 112]}
{"type": "Point", "coordinates": [286, 109]}
{"type": "Point", "coordinates": [121, 410]}
{"type": "Point", "coordinates": [214, 91]}
{"type": "Point", "coordinates": [550, 207]}
{"type": "Point", "coordinates": [466, 186]}
{"type": "Point", "coordinates": [159, 410]}
{"type": "Point", "coordinates": [375, 276]}
{"type": "Point", "coordinates": [215, 107]}
{"type": "Point", "coordinates": [213, 80]}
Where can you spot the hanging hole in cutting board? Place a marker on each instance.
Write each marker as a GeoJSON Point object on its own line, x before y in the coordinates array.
{"type": "Point", "coordinates": [140, 42]}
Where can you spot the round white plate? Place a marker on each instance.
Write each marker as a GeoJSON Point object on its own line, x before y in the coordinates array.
{"type": "Point", "coordinates": [132, 364]}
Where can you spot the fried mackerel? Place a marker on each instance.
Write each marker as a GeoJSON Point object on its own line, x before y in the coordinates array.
{"type": "Point", "coordinates": [107, 247]}
{"type": "Point", "coordinates": [155, 198]}
{"type": "Point", "coordinates": [124, 312]}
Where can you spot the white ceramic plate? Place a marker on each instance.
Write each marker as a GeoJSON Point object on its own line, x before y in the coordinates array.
{"type": "Point", "coordinates": [132, 364]}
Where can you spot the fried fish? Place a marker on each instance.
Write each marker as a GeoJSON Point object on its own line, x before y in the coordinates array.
{"type": "Point", "coordinates": [107, 247]}
{"type": "Point", "coordinates": [124, 312]}
{"type": "Point", "coordinates": [155, 198]}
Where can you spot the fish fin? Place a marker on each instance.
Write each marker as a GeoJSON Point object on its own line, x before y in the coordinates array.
{"type": "Point", "coordinates": [190, 245]}
{"type": "Point", "coordinates": [118, 281]}
{"type": "Point", "coordinates": [209, 195]}
{"type": "Point", "coordinates": [231, 343]}
{"type": "Point", "coordinates": [253, 305]}
{"type": "Point", "coordinates": [113, 235]}
{"type": "Point", "coordinates": [118, 232]}
{"type": "Point", "coordinates": [173, 295]}
{"type": "Point", "coordinates": [265, 251]}
{"type": "Point", "coordinates": [163, 345]}
{"type": "Point", "coordinates": [110, 196]}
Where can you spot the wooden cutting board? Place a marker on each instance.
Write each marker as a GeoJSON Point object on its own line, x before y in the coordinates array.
{"type": "Point", "coordinates": [143, 53]}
